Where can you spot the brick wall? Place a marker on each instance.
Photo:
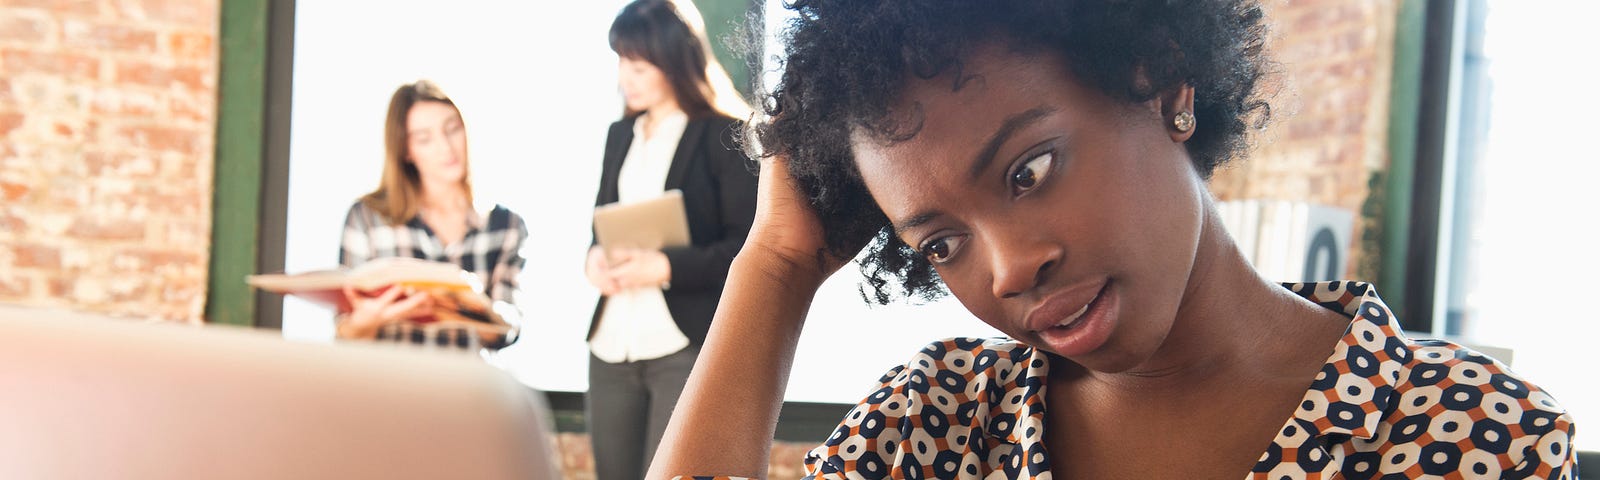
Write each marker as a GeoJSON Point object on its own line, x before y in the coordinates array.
{"type": "Point", "coordinates": [1330, 132]}
{"type": "Point", "coordinates": [107, 120]}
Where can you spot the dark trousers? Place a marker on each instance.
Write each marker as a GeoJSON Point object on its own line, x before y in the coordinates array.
{"type": "Point", "coordinates": [627, 409]}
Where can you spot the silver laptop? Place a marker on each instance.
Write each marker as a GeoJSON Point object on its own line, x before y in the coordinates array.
{"type": "Point", "coordinates": [99, 398]}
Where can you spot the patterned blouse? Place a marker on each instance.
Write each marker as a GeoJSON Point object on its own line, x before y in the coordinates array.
{"type": "Point", "coordinates": [491, 248]}
{"type": "Point", "coordinates": [1384, 406]}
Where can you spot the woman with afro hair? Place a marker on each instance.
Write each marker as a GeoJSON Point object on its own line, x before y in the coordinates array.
{"type": "Point", "coordinates": [1045, 163]}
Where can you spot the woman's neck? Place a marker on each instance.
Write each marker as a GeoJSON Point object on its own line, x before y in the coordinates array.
{"type": "Point", "coordinates": [443, 195]}
{"type": "Point", "coordinates": [652, 117]}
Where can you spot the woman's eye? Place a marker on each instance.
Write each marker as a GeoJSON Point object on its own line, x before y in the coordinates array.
{"type": "Point", "coordinates": [1030, 173]}
{"type": "Point", "coordinates": [940, 249]}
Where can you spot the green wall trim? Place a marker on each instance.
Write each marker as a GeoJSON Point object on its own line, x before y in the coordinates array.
{"type": "Point", "coordinates": [1404, 107]}
{"type": "Point", "coordinates": [724, 20]}
{"type": "Point", "coordinates": [236, 194]}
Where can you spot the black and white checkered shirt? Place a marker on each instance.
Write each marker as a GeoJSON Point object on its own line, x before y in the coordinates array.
{"type": "Point", "coordinates": [491, 249]}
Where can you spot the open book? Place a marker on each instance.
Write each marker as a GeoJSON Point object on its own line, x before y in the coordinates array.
{"type": "Point", "coordinates": [457, 294]}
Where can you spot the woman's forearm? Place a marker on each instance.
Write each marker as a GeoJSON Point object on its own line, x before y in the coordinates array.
{"type": "Point", "coordinates": [724, 422]}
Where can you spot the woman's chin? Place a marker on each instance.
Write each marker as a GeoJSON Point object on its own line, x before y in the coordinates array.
{"type": "Point", "coordinates": [447, 175]}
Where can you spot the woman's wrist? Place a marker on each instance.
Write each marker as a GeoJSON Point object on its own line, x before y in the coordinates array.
{"type": "Point", "coordinates": [794, 273]}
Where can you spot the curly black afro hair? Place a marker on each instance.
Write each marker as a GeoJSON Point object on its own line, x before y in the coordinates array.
{"type": "Point", "coordinates": [847, 60]}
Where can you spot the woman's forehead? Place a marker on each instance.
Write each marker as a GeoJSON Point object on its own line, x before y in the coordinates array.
{"type": "Point", "coordinates": [430, 113]}
{"type": "Point", "coordinates": [951, 115]}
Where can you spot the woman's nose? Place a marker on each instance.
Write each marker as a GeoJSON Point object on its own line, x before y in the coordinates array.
{"type": "Point", "coordinates": [1020, 265]}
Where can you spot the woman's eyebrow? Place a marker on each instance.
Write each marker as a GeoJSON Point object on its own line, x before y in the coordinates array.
{"type": "Point", "coordinates": [1007, 129]}
{"type": "Point", "coordinates": [914, 221]}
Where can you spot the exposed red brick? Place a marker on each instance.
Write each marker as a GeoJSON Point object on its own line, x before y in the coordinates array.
{"type": "Point", "coordinates": [192, 45]}
{"type": "Point", "coordinates": [107, 110]}
{"type": "Point", "coordinates": [181, 292]}
{"type": "Point", "coordinates": [192, 107]}
{"type": "Point", "coordinates": [189, 77]}
{"type": "Point", "coordinates": [183, 12]}
{"type": "Point", "coordinates": [165, 139]}
{"type": "Point", "coordinates": [126, 102]}
{"type": "Point", "coordinates": [65, 192]}
{"type": "Point", "coordinates": [15, 287]}
{"type": "Point", "coordinates": [191, 232]}
{"type": "Point", "coordinates": [180, 12]}
{"type": "Point", "coordinates": [1334, 57]}
{"type": "Point", "coordinates": [179, 204]}
{"type": "Point", "coordinates": [55, 63]}
{"type": "Point", "coordinates": [138, 167]}
{"type": "Point", "coordinates": [6, 99]}
{"type": "Point", "coordinates": [12, 224]}
{"type": "Point", "coordinates": [24, 29]}
{"type": "Point", "coordinates": [10, 121]}
{"type": "Point", "coordinates": [1330, 14]}
{"type": "Point", "coordinates": [134, 294]}
{"type": "Point", "coordinates": [36, 256]}
{"type": "Point", "coordinates": [146, 259]}
{"type": "Point", "coordinates": [95, 228]}
{"type": "Point", "coordinates": [121, 39]}
{"type": "Point", "coordinates": [577, 459]}
{"type": "Point", "coordinates": [100, 164]}
{"type": "Point", "coordinates": [69, 7]}
{"type": "Point", "coordinates": [60, 286]}
{"type": "Point", "coordinates": [13, 191]}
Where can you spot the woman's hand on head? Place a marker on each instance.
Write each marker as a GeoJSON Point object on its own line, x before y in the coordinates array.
{"type": "Point", "coordinates": [369, 313]}
{"type": "Point", "coordinates": [787, 229]}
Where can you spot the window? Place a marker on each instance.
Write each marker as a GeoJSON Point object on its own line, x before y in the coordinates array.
{"type": "Point", "coordinates": [1520, 256]}
{"type": "Point", "coordinates": [537, 88]}
{"type": "Point", "coordinates": [535, 82]}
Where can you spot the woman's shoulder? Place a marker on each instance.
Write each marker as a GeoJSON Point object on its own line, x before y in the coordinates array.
{"type": "Point", "coordinates": [1400, 394]}
{"type": "Point", "coordinates": [500, 217]}
{"type": "Point", "coordinates": [624, 124]}
{"type": "Point", "coordinates": [363, 212]}
{"type": "Point", "coordinates": [1444, 378]}
{"type": "Point", "coordinates": [1377, 363]}
{"type": "Point", "coordinates": [1463, 410]}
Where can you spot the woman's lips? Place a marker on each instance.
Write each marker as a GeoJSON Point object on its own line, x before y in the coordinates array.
{"type": "Point", "coordinates": [1065, 306]}
{"type": "Point", "coordinates": [1079, 331]}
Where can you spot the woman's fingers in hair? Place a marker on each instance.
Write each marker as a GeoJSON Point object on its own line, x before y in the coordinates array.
{"type": "Point", "coordinates": [786, 226]}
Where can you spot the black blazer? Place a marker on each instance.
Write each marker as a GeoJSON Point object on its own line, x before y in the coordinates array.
{"type": "Point", "coordinates": [719, 198]}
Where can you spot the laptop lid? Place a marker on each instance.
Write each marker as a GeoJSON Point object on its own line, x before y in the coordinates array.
{"type": "Point", "coordinates": [101, 398]}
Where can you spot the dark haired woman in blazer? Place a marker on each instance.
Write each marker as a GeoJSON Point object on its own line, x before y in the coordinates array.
{"type": "Point", "coordinates": [656, 306]}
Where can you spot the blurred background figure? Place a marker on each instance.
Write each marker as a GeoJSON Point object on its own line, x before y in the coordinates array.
{"type": "Point", "coordinates": [656, 306]}
{"type": "Point", "coordinates": [423, 208]}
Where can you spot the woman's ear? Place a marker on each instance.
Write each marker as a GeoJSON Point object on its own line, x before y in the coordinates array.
{"type": "Point", "coordinates": [1177, 110]}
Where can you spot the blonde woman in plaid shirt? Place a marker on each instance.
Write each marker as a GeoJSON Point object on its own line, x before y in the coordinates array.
{"type": "Point", "coordinates": [424, 208]}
